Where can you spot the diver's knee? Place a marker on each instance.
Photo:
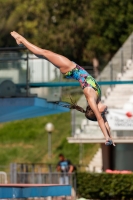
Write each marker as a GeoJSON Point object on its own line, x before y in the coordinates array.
{"type": "Point", "coordinates": [44, 52]}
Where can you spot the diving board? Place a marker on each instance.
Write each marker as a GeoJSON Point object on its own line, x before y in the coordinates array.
{"type": "Point", "coordinates": [33, 190]}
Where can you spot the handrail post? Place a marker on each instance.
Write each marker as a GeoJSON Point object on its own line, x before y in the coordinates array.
{"type": "Point", "coordinates": [132, 46]}
{"type": "Point", "coordinates": [73, 122]}
{"type": "Point", "coordinates": [27, 75]}
{"type": "Point", "coordinates": [122, 60]}
{"type": "Point", "coordinates": [111, 72]}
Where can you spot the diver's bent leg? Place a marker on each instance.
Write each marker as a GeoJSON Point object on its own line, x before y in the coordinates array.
{"type": "Point", "coordinates": [62, 62]}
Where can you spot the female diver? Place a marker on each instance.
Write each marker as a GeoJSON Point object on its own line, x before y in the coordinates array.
{"type": "Point", "coordinates": [95, 110]}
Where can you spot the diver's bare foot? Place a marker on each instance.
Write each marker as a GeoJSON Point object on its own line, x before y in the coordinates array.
{"type": "Point", "coordinates": [17, 37]}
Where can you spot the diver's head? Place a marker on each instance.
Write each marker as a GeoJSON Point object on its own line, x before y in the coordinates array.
{"type": "Point", "coordinates": [89, 114]}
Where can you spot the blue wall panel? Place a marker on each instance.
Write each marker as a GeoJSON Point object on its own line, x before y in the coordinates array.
{"type": "Point", "coordinates": [34, 191]}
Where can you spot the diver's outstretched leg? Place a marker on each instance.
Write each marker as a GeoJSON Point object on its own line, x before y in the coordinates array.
{"type": "Point", "coordinates": [63, 63]}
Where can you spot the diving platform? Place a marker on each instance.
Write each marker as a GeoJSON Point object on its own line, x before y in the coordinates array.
{"type": "Point", "coordinates": [28, 107]}
{"type": "Point", "coordinates": [14, 191]}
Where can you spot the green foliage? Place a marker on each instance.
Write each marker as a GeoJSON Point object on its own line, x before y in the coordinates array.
{"type": "Point", "coordinates": [80, 30]}
{"type": "Point", "coordinates": [111, 25]}
{"type": "Point", "coordinates": [69, 27]}
{"type": "Point", "coordinates": [105, 186]}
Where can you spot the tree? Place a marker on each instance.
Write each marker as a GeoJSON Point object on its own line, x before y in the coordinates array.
{"type": "Point", "coordinates": [68, 28]}
{"type": "Point", "coordinates": [82, 30]}
{"type": "Point", "coordinates": [22, 16]}
{"type": "Point", "coordinates": [58, 25]}
{"type": "Point", "coordinates": [111, 25]}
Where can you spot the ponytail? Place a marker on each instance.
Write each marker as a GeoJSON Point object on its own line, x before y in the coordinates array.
{"type": "Point", "coordinates": [74, 105]}
{"type": "Point", "coordinates": [89, 114]}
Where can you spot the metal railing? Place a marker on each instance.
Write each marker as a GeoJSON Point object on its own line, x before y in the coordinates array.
{"type": "Point", "coordinates": [46, 178]}
{"type": "Point", "coordinates": [19, 67]}
{"type": "Point", "coordinates": [39, 174]}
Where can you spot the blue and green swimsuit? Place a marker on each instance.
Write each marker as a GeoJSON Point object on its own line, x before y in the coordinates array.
{"type": "Point", "coordinates": [85, 79]}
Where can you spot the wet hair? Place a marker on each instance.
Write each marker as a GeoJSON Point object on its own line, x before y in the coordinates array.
{"type": "Point", "coordinates": [89, 114]}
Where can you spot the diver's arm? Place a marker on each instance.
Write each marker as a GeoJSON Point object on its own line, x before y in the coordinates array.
{"type": "Point", "coordinates": [108, 129]}
{"type": "Point", "coordinates": [94, 107]}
